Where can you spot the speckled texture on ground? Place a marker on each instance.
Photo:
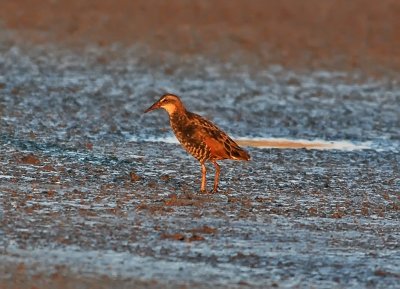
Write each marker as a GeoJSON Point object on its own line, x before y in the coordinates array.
{"type": "Point", "coordinates": [88, 198]}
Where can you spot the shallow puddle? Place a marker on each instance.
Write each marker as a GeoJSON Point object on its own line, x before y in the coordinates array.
{"type": "Point", "coordinates": [283, 143]}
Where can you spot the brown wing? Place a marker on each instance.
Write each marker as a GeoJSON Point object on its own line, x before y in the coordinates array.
{"type": "Point", "coordinates": [220, 144]}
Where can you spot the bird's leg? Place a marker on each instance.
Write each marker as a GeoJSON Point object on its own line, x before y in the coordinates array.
{"type": "Point", "coordinates": [203, 178]}
{"type": "Point", "coordinates": [216, 179]}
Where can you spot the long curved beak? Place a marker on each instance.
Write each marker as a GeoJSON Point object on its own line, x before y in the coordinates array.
{"type": "Point", "coordinates": [155, 105]}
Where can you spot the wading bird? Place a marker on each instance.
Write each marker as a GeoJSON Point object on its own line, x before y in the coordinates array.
{"type": "Point", "coordinates": [200, 137]}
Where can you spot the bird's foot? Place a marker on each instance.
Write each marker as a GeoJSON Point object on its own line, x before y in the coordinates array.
{"type": "Point", "coordinates": [215, 188]}
{"type": "Point", "coordinates": [207, 192]}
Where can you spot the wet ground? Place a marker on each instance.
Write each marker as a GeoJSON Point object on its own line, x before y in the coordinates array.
{"type": "Point", "coordinates": [95, 194]}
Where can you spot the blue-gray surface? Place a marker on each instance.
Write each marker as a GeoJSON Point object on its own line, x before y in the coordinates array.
{"type": "Point", "coordinates": [73, 130]}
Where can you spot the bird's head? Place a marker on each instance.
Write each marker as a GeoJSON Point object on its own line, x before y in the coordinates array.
{"type": "Point", "coordinates": [170, 102]}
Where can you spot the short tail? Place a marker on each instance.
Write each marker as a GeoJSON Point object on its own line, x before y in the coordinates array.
{"type": "Point", "coordinates": [240, 154]}
{"type": "Point", "coordinates": [244, 155]}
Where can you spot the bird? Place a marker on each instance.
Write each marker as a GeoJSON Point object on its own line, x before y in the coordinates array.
{"type": "Point", "coordinates": [199, 137]}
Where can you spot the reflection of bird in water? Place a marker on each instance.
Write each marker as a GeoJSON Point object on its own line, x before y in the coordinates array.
{"type": "Point", "coordinates": [200, 137]}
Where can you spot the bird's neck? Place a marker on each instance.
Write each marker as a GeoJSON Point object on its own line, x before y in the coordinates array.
{"type": "Point", "coordinates": [175, 111]}
{"type": "Point", "coordinates": [178, 115]}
